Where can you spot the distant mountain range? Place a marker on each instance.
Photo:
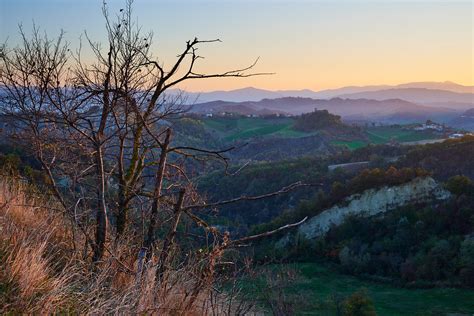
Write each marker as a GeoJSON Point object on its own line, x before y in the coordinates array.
{"type": "Point", "coordinates": [446, 94]}
{"type": "Point", "coordinates": [418, 95]}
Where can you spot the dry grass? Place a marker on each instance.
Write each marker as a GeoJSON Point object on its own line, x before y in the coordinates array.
{"type": "Point", "coordinates": [43, 269]}
{"type": "Point", "coordinates": [31, 238]}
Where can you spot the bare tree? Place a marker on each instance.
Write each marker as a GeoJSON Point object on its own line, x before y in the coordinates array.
{"type": "Point", "coordinates": [102, 135]}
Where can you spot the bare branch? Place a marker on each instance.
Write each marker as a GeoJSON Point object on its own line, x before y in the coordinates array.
{"type": "Point", "coordinates": [286, 189]}
{"type": "Point", "coordinates": [267, 233]}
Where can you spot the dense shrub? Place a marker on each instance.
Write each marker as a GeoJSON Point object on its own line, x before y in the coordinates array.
{"type": "Point", "coordinates": [358, 304]}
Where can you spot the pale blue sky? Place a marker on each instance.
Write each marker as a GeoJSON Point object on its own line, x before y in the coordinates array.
{"type": "Point", "coordinates": [309, 44]}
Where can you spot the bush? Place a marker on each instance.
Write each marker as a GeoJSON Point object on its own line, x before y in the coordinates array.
{"type": "Point", "coordinates": [359, 304]}
{"type": "Point", "coordinates": [460, 185]}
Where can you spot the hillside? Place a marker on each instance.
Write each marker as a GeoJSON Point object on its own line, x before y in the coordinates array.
{"type": "Point", "coordinates": [269, 138]}
{"type": "Point", "coordinates": [452, 157]}
{"type": "Point", "coordinates": [442, 160]}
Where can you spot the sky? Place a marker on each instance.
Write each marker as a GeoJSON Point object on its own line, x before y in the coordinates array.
{"type": "Point", "coordinates": [307, 44]}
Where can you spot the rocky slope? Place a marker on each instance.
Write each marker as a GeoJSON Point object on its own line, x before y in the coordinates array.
{"type": "Point", "coordinates": [371, 202]}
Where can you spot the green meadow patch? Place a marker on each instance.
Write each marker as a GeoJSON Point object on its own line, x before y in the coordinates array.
{"type": "Point", "coordinates": [352, 145]}
{"type": "Point", "coordinates": [233, 129]}
{"type": "Point", "coordinates": [386, 134]}
{"type": "Point", "coordinates": [318, 286]}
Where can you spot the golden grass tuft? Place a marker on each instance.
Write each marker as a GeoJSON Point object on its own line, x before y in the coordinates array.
{"type": "Point", "coordinates": [43, 271]}
{"type": "Point", "coordinates": [30, 237]}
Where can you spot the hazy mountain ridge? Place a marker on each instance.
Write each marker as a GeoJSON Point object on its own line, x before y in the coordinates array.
{"type": "Point", "coordinates": [255, 94]}
{"type": "Point", "coordinates": [418, 95]}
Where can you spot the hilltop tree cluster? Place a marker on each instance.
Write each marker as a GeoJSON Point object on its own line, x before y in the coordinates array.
{"type": "Point", "coordinates": [317, 120]}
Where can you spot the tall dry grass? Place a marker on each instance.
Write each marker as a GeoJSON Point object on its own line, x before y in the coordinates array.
{"type": "Point", "coordinates": [43, 269]}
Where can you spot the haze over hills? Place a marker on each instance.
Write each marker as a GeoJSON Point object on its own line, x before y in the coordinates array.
{"type": "Point", "coordinates": [418, 95]}
{"type": "Point", "coordinates": [447, 85]}
{"type": "Point", "coordinates": [422, 92]}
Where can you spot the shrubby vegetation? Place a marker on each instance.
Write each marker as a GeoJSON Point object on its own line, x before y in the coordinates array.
{"type": "Point", "coordinates": [14, 162]}
{"type": "Point", "coordinates": [260, 179]}
{"type": "Point", "coordinates": [454, 156]}
{"type": "Point", "coordinates": [192, 132]}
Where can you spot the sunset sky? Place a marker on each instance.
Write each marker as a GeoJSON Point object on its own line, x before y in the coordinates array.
{"type": "Point", "coordinates": [308, 44]}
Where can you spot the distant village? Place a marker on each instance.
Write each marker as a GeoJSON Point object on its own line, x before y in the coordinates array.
{"type": "Point", "coordinates": [442, 129]}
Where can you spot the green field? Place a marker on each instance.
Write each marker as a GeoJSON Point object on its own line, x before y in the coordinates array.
{"type": "Point", "coordinates": [317, 284]}
{"type": "Point", "coordinates": [385, 134]}
{"type": "Point", "coordinates": [352, 145]}
{"type": "Point", "coordinates": [232, 129]}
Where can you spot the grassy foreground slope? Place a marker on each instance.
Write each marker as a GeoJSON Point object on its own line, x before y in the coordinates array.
{"type": "Point", "coordinates": [45, 268]}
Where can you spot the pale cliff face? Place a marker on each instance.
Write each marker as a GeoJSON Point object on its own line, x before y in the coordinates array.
{"type": "Point", "coordinates": [373, 202]}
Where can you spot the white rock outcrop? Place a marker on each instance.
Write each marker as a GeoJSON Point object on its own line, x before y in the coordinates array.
{"type": "Point", "coordinates": [373, 202]}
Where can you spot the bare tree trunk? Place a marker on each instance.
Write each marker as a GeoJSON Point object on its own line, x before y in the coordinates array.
{"type": "Point", "coordinates": [128, 179]}
{"type": "Point", "coordinates": [150, 238]}
{"type": "Point", "coordinates": [101, 217]}
{"type": "Point", "coordinates": [163, 261]}
{"type": "Point", "coordinates": [122, 192]}
{"type": "Point", "coordinates": [145, 251]}
{"type": "Point", "coordinates": [122, 212]}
